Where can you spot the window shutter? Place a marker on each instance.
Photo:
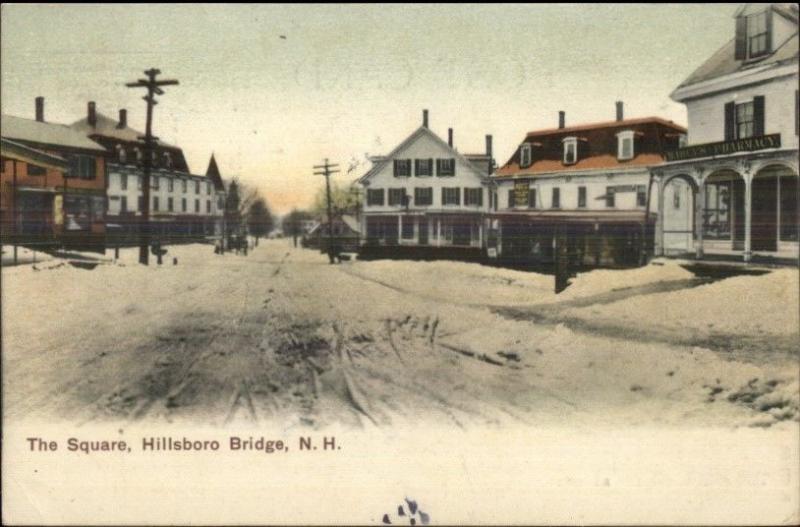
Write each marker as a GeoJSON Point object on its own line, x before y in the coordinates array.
{"type": "Point", "coordinates": [741, 38]}
{"type": "Point", "coordinates": [758, 115]}
{"type": "Point", "coordinates": [511, 198]}
{"type": "Point", "coordinates": [769, 29]}
{"type": "Point", "coordinates": [730, 121]}
{"type": "Point", "coordinates": [797, 112]}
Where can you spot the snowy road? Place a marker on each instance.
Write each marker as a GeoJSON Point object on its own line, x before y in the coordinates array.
{"type": "Point", "coordinates": [280, 335]}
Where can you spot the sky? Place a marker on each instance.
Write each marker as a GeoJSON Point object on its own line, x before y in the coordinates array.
{"type": "Point", "coordinates": [272, 90]}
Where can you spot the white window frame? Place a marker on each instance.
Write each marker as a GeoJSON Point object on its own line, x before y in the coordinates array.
{"type": "Point", "coordinates": [525, 153]}
{"type": "Point", "coordinates": [573, 142]}
{"type": "Point", "coordinates": [626, 135]}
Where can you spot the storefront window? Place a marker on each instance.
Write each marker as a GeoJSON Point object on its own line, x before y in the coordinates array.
{"type": "Point", "coordinates": [717, 213]}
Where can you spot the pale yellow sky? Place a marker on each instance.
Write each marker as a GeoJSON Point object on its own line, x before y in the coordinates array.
{"type": "Point", "coordinates": [351, 80]}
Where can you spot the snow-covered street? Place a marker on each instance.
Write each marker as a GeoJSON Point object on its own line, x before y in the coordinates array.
{"type": "Point", "coordinates": [282, 335]}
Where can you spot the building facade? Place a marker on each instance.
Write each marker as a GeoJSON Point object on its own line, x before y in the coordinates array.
{"type": "Point", "coordinates": [44, 204]}
{"type": "Point", "coordinates": [739, 171]}
{"type": "Point", "coordinates": [183, 207]}
{"type": "Point", "coordinates": [589, 183]}
{"type": "Point", "coordinates": [425, 199]}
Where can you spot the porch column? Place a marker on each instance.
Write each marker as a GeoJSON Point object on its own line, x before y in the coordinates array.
{"type": "Point", "coordinates": [748, 213]}
{"type": "Point", "coordinates": [659, 249]}
{"type": "Point", "coordinates": [699, 206]}
{"type": "Point", "coordinates": [399, 229]}
{"type": "Point", "coordinates": [480, 234]}
{"type": "Point", "coordinates": [438, 232]}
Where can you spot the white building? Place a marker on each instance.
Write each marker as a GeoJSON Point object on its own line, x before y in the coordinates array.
{"type": "Point", "coordinates": [590, 183]}
{"type": "Point", "coordinates": [732, 192]}
{"type": "Point", "coordinates": [425, 198]}
{"type": "Point", "coordinates": [183, 205]}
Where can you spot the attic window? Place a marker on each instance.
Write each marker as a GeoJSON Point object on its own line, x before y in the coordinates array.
{"type": "Point", "coordinates": [570, 150]}
{"type": "Point", "coordinates": [167, 160]}
{"type": "Point", "coordinates": [625, 145]}
{"type": "Point", "coordinates": [138, 153]}
{"type": "Point", "coordinates": [121, 154]}
{"type": "Point", "coordinates": [757, 34]}
{"type": "Point", "coordinates": [525, 155]}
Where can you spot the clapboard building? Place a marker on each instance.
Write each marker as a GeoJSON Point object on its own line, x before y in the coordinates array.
{"type": "Point", "coordinates": [588, 183]}
{"type": "Point", "coordinates": [184, 206]}
{"type": "Point", "coordinates": [426, 200]}
{"type": "Point", "coordinates": [732, 191]}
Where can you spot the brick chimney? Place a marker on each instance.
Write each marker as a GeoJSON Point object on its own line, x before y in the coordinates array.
{"type": "Point", "coordinates": [562, 117]}
{"type": "Point", "coordinates": [620, 114]}
{"type": "Point", "coordinates": [450, 137]}
{"type": "Point", "coordinates": [123, 118]}
{"type": "Point", "coordinates": [425, 118]}
{"type": "Point", "coordinates": [40, 109]}
{"type": "Point", "coordinates": [91, 114]}
{"type": "Point", "coordinates": [489, 153]}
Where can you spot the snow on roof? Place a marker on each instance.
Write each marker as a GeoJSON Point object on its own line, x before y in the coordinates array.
{"type": "Point", "coordinates": [108, 127]}
{"type": "Point", "coordinates": [43, 133]}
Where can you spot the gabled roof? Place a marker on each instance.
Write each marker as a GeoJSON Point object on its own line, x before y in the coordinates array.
{"type": "Point", "coordinates": [20, 152]}
{"type": "Point", "coordinates": [213, 174]}
{"type": "Point", "coordinates": [419, 132]}
{"type": "Point", "coordinates": [108, 127]}
{"type": "Point", "coordinates": [724, 61]}
{"type": "Point", "coordinates": [46, 134]}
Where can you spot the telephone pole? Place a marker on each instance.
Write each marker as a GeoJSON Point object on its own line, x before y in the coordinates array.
{"type": "Point", "coordinates": [326, 170]}
{"type": "Point", "coordinates": [153, 88]}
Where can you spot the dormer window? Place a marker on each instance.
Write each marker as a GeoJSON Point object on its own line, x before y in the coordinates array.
{"type": "Point", "coordinates": [570, 150]}
{"type": "Point", "coordinates": [625, 145]}
{"type": "Point", "coordinates": [138, 153]}
{"type": "Point", "coordinates": [754, 34]}
{"type": "Point", "coordinates": [121, 154]}
{"type": "Point", "coordinates": [167, 160]}
{"type": "Point", "coordinates": [525, 155]}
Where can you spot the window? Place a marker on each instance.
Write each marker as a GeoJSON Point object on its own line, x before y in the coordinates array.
{"type": "Point", "coordinates": [402, 167]}
{"type": "Point", "coordinates": [525, 155]}
{"type": "Point", "coordinates": [641, 196]}
{"type": "Point", "coordinates": [445, 167]}
{"type": "Point", "coordinates": [581, 197]}
{"type": "Point", "coordinates": [183, 185]}
{"type": "Point", "coordinates": [167, 160]}
{"type": "Point", "coordinates": [208, 189]}
{"type": "Point", "coordinates": [610, 197]}
{"type": "Point", "coordinates": [423, 196]}
{"type": "Point", "coordinates": [408, 229]}
{"type": "Point", "coordinates": [570, 150]}
{"type": "Point", "coordinates": [197, 205]}
{"type": "Point", "coordinates": [676, 197]}
{"type": "Point", "coordinates": [511, 203]}
{"type": "Point", "coordinates": [141, 203]}
{"type": "Point", "coordinates": [208, 206]}
{"type": "Point", "coordinates": [138, 154]}
{"type": "Point", "coordinates": [123, 181]}
{"type": "Point", "coordinates": [375, 196]}
{"type": "Point", "coordinates": [139, 180]}
{"type": "Point", "coordinates": [625, 145]}
{"type": "Point", "coordinates": [473, 196]}
{"type": "Point", "coordinates": [170, 184]}
{"type": "Point", "coordinates": [396, 197]}
{"type": "Point", "coordinates": [123, 204]}
{"type": "Point", "coordinates": [423, 167]}
{"type": "Point", "coordinates": [82, 167]}
{"type": "Point", "coordinates": [451, 196]}
{"type": "Point", "coordinates": [532, 198]}
{"type": "Point", "coordinates": [122, 156]}
{"type": "Point", "coordinates": [717, 211]}
{"type": "Point", "coordinates": [183, 203]}
{"type": "Point", "coordinates": [155, 203]}
{"type": "Point", "coordinates": [154, 182]}
{"type": "Point", "coordinates": [35, 170]}
{"type": "Point", "coordinates": [744, 120]}
{"type": "Point", "coordinates": [197, 187]}
{"type": "Point", "coordinates": [757, 34]}
{"type": "Point", "coordinates": [556, 198]}
{"type": "Point", "coordinates": [170, 204]}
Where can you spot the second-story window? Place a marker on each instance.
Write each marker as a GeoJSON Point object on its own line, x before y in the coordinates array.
{"type": "Point", "coordinates": [396, 196]}
{"type": "Point", "coordinates": [570, 150]}
{"type": "Point", "coordinates": [625, 145]}
{"type": "Point", "coordinates": [581, 197]}
{"type": "Point", "coordinates": [610, 197]}
{"type": "Point", "coordinates": [446, 167]}
{"type": "Point", "coordinates": [423, 196]}
{"type": "Point", "coordinates": [82, 167]}
{"type": "Point", "coordinates": [197, 187]}
{"type": "Point", "coordinates": [451, 196]}
{"type": "Point", "coordinates": [744, 120]}
{"type": "Point", "coordinates": [556, 198]}
{"type": "Point", "coordinates": [123, 181]}
{"type": "Point", "coordinates": [423, 167]}
{"type": "Point", "coordinates": [375, 196]}
{"type": "Point", "coordinates": [532, 198]}
{"type": "Point", "coordinates": [473, 196]}
{"type": "Point", "coordinates": [183, 185]}
{"type": "Point", "coordinates": [154, 182]}
{"type": "Point", "coordinates": [525, 155]}
{"type": "Point", "coordinates": [402, 167]}
{"type": "Point", "coordinates": [170, 184]}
